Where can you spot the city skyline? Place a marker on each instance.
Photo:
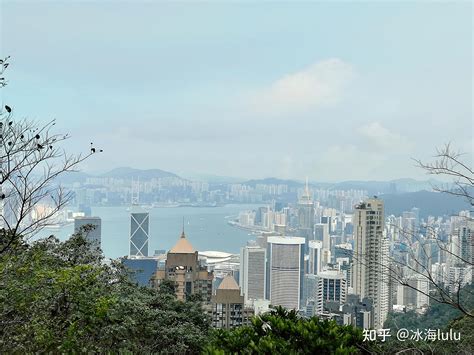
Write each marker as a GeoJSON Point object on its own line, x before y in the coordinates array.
{"type": "Point", "coordinates": [301, 90]}
{"type": "Point", "coordinates": [236, 176]}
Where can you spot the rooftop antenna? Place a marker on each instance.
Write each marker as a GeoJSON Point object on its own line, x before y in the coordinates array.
{"type": "Point", "coordinates": [182, 234]}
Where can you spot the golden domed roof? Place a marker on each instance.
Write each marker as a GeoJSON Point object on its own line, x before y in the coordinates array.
{"type": "Point", "coordinates": [182, 246]}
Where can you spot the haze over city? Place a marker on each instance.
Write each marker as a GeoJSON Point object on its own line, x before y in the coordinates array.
{"type": "Point", "coordinates": [246, 90]}
{"type": "Point", "coordinates": [236, 177]}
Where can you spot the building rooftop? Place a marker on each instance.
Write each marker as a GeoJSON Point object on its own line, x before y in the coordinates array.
{"type": "Point", "coordinates": [228, 284]}
{"type": "Point", "coordinates": [286, 240]}
{"type": "Point", "coordinates": [182, 246]}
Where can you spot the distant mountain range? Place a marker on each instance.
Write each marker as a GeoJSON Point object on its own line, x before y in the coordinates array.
{"type": "Point", "coordinates": [129, 173]}
{"type": "Point", "coordinates": [213, 179]}
{"type": "Point", "coordinates": [381, 187]}
{"type": "Point", "coordinates": [430, 203]}
{"type": "Point", "coordinates": [118, 173]}
{"type": "Point", "coordinates": [372, 187]}
{"type": "Point", "coordinates": [273, 181]}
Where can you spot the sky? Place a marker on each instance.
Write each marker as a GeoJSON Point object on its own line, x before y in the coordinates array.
{"type": "Point", "coordinates": [330, 90]}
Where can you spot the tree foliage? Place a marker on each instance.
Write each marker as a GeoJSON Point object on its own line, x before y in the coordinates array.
{"type": "Point", "coordinates": [284, 332]}
{"type": "Point", "coordinates": [61, 297]}
{"type": "Point", "coordinates": [32, 157]}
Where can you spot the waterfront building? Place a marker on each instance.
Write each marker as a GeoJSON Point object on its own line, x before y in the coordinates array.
{"type": "Point", "coordinates": [139, 233]}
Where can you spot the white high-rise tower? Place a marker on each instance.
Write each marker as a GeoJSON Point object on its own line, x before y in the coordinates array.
{"type": "Point", "coordinates": [370, 267]}
{"type": "Point", "coordinates": [285, 271]}
{"type": "Point", "coordinates": [252, 273]}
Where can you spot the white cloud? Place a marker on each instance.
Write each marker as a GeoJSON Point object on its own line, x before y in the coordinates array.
{"type": "Point", "coordinates": [377, 136]}
{"type": "Point", "coordinates": [321, 84]}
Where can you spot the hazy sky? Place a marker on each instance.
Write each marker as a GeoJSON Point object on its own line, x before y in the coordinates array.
{"type": "Point", "coordinates": [333, 91]}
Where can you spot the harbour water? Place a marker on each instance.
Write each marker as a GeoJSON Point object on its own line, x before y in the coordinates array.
{"type": "Point", "coordinates": [206, 228]}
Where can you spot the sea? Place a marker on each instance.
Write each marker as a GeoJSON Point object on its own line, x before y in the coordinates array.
{"type": "Point", "coordinates": [206, 228]}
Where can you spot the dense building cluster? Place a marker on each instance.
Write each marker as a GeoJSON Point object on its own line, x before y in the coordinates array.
{"type": "Point", "coordinates": [352, 267]}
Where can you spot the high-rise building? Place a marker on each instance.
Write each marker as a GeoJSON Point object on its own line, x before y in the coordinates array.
{"type": "Point", "coordinates": [370, 264]}
{"type": "Point", "coordinates": [410, 295]}
{"type": "Point", "coordinates": [321, 232]}
{"type": "Point", "coordinates": [285, 271]}
{"type": "Point", "coordinates": [139, 233]}
{"type": "Point", "coordinates": [331, 287]}
{"type": "Point", "coordinates": [183, 267]}
{"type": "Point", "coordinates": [252, 273]}
{"type": "Point", "coordinates": [228, 308]}
{"type": "Point", "coordinates": [306, 215]}
{"type": "Point", "coordinates": [93, 235]}
{"type": "Point", "coordinates": [466, 242]}
{"type": "Point", "coordinates": [310, 292]}
{"type": "Point", "coordinates": [315, 257]}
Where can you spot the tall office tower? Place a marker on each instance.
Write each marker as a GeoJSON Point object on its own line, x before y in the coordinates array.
{"type": "Point", "coordinates": [331, 287]}
{"type": "Point", "coordinates": [139, 233]}
{"type": "Point", "coordinates": [94, 234]}
{"type": "Point", "coordinates": [228, 308]}
{"type": "Point", "coordinates": [285, 271]}
{"type": "Point", "coordinates": [416, 214]}
{"type": "Point", "coordinates": [370, 266]}
{"type": "Point", "coordinates": [306, 215]}
{"type": "Point", "coordinates": [465, 236]}
{"type": "Point", "coordinates": [183, 267]}
{"type": "Point", "coordinates": [310, 291]}
{"type": "Point", "coordinates": [252, 273]}
{"type": "Point", "coordinates": [321, 232]}
{"type": "Point", "coordinates": [315, 256]}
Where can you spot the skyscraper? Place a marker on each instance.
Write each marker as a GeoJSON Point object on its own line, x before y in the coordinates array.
{"type": "Point", "coordinates": [315, 256]}
{"type": "Point", "coordinates": [321, 232]}
{"type": "Point", "coordinates": [370, 264]}
{"type": "Point", "coordinates": [93, 235]}
{"type": "Point", "coordinates": [285, 271]}
{"type": "Point", "coordinates": [183, 267]}
{"type": "Point", "coordinates": [252, 273]}
{"type": "Point", "coordinates": [139, 233]}
{"type": "Point", "coordinates": [306, 215]}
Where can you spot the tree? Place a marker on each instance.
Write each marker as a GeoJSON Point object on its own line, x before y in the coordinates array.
{"type": "Point", "coordinates": [419, 249]}
{"type": "Point", "coordinates": [450, 163]}
{"type": "Point", "coordinates": [3, 66]}
{"type": "Point", "coordinates": [61, 297]}
{"type": "Point", "coordinates": [447, 163]}
{"type": "Point", "coordinates": [31, 159]}
{"type": "Point", "coordinates": [283, 332]}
